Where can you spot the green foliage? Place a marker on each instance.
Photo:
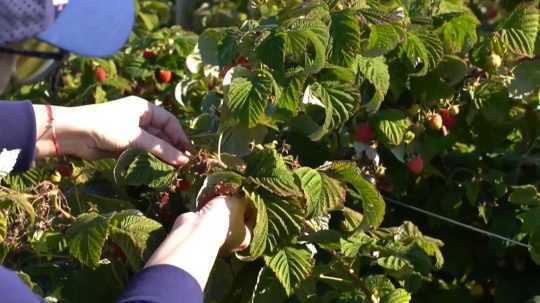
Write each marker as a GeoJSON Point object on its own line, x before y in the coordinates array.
{"type": "Point", "coordinates": [86, 238]}
{"type": "Point", "coordinates": [273, 94]}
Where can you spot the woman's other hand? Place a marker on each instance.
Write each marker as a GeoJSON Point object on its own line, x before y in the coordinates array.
{"type": "Point", "coordinates": [105, 130]}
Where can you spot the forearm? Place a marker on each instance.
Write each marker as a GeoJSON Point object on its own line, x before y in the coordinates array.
{"type": "Point", "coordinates": [69, 128]}
{"type": "Point", "coordinates": [194, 245]}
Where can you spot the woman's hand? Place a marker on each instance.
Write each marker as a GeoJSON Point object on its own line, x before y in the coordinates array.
{"type": "Point", "coordinates": [105, 130]}
{"type": "Point", "coordinates": [233, 221]}
{"type": "Point", "coordinates": [198, 237]}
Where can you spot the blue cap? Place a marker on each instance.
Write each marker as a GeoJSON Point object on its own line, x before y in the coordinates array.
{"type": "Point", "coordinates": [94, 28]}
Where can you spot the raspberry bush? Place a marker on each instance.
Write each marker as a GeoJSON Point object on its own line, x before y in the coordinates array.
{"type": "Point", "coordinates": [316, 112]}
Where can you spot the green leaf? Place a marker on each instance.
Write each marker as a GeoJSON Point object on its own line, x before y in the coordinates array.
{"type": "Point", "coordinates": [458, 32]}
{"type": "Point", "coordinates": [268, 169]}
{"type": "Point", "coordinates": [534, 243]}
{"type": "Point", "coordinates": [209, 46]}
{"type": "Point", "coordinates": [452, 70]}
{"type": "Point", "coordinates": [260, 232]}
{"type": "Point", "coordinates": [376, 72]}
{"type": "Point", "coordinates": [345, 33]}
{"type": "Point", "coordinates": [526, 79]}
{"type": "Point", "coordinates": [391, 127]}
{"type": "Point", "coordinates": [291, 97]}
{"type": "Point", "coordinates": [394, 263]}
{"type": "Point", "coordinates": [432, 247]}
{"type": "Point", "coordinates": [494, 103]}
{"type": "Point", "coordinates": [291, 266]}
{"type": "Point", "coordinates": [399, 295]}
{"type": "Point", "coordinates": [372, 202]}
{"type": "Point", "coordinates": [86, 238]}
{"type": "Point", "coordinates": [248, 95]}
{"type": "Point", "coordinates": [531, 220]}
{"type": "Point", "coordinates": [303, 34]}
{"type": "Point", "coordinates": [524, 195]}
{"type": "Point", "coordinates": [19, 201]}
{"type": "Point", "coordinates": [323, 193]}
{"type": "Point", "coordinates": [149, 170]}
{"type": "Point", "coordinates": [338, 101]}
{"type": "Point", "coordinates": [424, 51]}
{"type": "Point", "coordinates": [351, 219]}
{"type": "Point", "coordinates": [285, 220]}
{"type": "Point", "coordinates": [237, 140]}
{"type": "Point", "coordinates": [380, 283]}
{"type": "Point", "coordinates": [136, 235]}
{"type": "Point", "coordinates": [3, 227]}
{"type": "Point", "coordinates": [272, 52]}
{"type": "Point", "coordinates": [519, 30]}
{"type": "Point", "coordinates": [351, 246]}
{"type": "Point", "coordinates": [383, 38]}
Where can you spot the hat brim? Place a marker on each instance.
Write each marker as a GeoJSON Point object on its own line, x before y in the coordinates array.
{"type": "Point", "coordinates": [97, 28]}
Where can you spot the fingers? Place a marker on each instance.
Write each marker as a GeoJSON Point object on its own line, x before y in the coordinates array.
{"type": "Point", "coordinates": [168, 124]}
{"type": "Point", "coordinates": [247, 239]}
{"type": "Point", "coordinates": [160, 148]}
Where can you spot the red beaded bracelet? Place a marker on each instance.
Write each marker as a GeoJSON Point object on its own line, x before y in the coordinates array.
{"type": "Point", "coordinates": [51, 123]}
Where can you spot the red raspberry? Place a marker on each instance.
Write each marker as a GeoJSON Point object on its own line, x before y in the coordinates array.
{"type": "Point", "coordinates": [165, 76]}
{"type": "Point", "coordinates": [164, 199]}
{"type": "Point", "coordinates": [65, 169]}
{"type": "Point", "coordinates": [148, 54]}
{"type": "Point", "coordinates": [183, 185]}
{"type": "Point", "coordinates": [448, 119]}
{"type": "Point", "coordinates": [101, 74]}
{"type": "Point", "coordinates": [416, 165]}
{"type": "Point", "coordinates": [243, 61]}
{"type": "Point", "coordinates": [364, 133]}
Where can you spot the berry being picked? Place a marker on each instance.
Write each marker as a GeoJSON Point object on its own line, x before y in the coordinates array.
{"type": "Point", "coordinates": [148, 54]}
{"type": "Point", "coordinates": [225, 70]}
{"type": "Point", "coordinates": [435, 122]}
{"type": "Point", "coordinates": [65, 169]}
{"type": "Point", "coordinates": [243, 61]}
{"type": "Point", "coordinates": [448, 119]}
{"type": "Point", "coordinates": [164, 199]}
{"type": "Point", "coordinates": [101, 74]}
{"type": "Point", "coordinates": [364, 133]}
{"type": "Point", "coordinates": [220, 189]}
{"type": "Point", "coordinates": [416, 165]}
{"type": "Point", "coordinates": [118, 252]}
{"type": "Point", "coordinates": [183, 185]}
{"type": "Point", "coordinates": [165, 76]}
{"type": "Point", "coordinates": [494, 61]}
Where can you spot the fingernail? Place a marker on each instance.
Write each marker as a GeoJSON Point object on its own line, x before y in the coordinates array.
{"type": "Point", "coordinates": [182, 160]}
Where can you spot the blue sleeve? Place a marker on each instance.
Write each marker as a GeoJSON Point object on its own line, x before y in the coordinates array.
{"type": "Point", "coordinates": [18, 131]}
{"type": "Point", "coordinates": [156, 284]}
{"type": "Point", "coordinates": [162, 284]}
{"type": "Point", "coordinates": [13, 290]}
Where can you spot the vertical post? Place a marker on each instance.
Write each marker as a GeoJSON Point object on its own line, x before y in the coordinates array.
{"type": "Point", "coordinates": [184, 12]}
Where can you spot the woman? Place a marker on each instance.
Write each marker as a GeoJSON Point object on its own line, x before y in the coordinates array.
{"type": "Point", "coordinates": [179, 269]}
